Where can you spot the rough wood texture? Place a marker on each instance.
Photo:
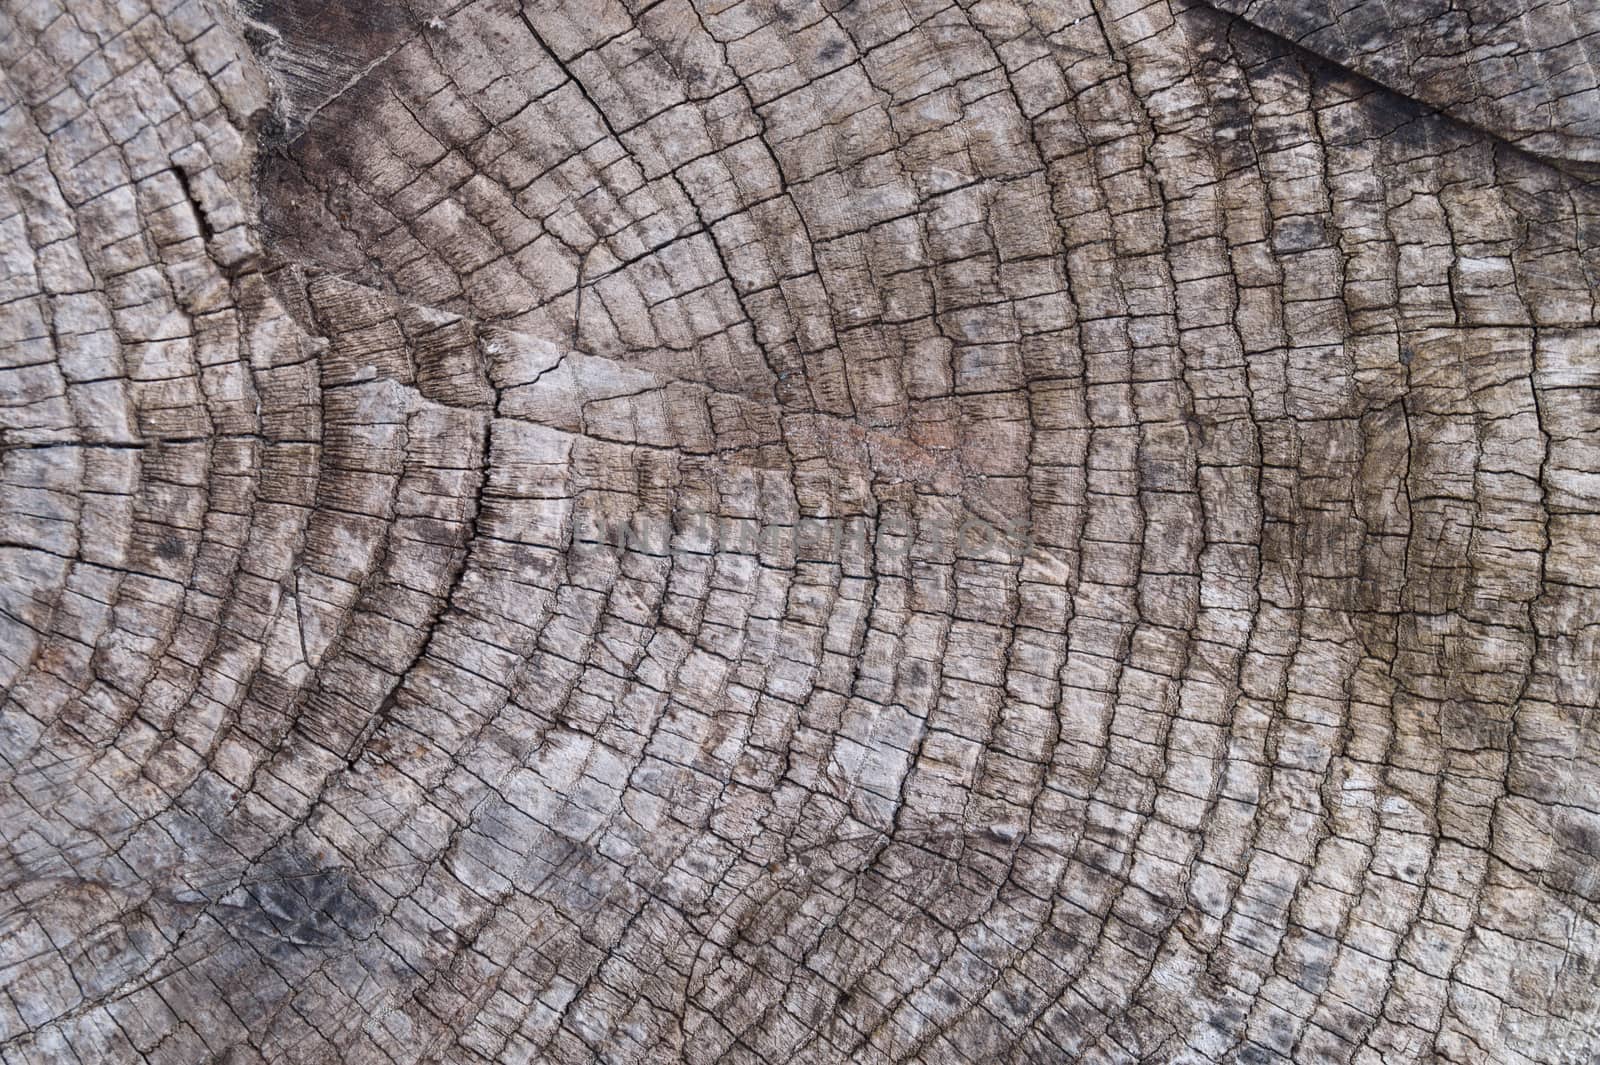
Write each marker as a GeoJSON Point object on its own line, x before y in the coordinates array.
{"type": "Point", "coordinates": [785, 532]}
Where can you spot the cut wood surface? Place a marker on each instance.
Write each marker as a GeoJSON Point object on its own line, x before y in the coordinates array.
{"type": "Point", "coordinates": [794, 533]}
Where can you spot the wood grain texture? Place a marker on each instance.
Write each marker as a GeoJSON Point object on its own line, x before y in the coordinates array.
{"type": "Point", "coordinates": [874, 531]}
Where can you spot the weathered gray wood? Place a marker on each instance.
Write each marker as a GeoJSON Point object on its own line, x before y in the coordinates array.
{"type": "Point", "coordinates": [877, 531]}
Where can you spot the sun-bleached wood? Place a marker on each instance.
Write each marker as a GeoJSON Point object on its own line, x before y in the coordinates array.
{"type": "Point", "coordinates": [788, 532]}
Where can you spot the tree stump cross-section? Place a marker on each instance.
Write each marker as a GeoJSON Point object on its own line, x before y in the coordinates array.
{"type": "Point", "coordinates": [799, 532]}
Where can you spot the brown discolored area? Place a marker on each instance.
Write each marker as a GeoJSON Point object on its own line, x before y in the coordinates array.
{"type": "Point", "coordinates": [315, 50]}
